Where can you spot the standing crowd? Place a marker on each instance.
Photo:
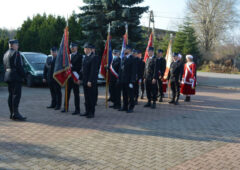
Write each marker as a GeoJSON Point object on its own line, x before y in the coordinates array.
{"type": "Point", "coordinates": [129, 76]}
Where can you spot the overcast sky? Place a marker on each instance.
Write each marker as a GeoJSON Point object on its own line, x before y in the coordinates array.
{"type": "Point", "coordinates": [14, 12]}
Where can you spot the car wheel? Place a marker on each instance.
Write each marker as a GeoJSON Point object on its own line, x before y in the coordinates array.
{"type": "Point", "coordinates": [29, 80]}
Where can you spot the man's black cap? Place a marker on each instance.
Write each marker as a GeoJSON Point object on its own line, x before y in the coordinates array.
{"type": "Point", "coordinates": [160, 51]}
{"type": "Point", "coordinates": [128, 47]}
{"type": "Point", "coordinates": [116, 51]}
{"type": "Point", "coordinates": [53, 49]}
{"type": "Point", "coordinates": [175, 54]}
{"type": "Point", "coordinates": [150, 49]}
{"type": "Point", "coordinates": [13, 41]}
{"type": "Point", "coordinates": [88, 45]}
{"type": "Point", "coordinates": [73, 44]}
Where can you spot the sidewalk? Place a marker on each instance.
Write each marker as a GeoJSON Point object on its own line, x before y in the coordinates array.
{"type": "Point", "coordinates": [220, 80]}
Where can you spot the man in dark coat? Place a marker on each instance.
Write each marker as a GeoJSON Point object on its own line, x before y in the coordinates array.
{"type": "Point", "coordinates": [127, 80]}
{"type": "Point", "coordinates": [175, 78]}
{"type": "Point", "coordinates": [90, 76]}
{"type": "Point", "coordinates": [138, 76]}
{"type": "Point", "coordinates": [114, 88]}
{"type": "Point", "coordinates": [76, 66]}
{"type": "Point", "coordinates": [14, 75]}
{"type": "Point", "coordinates": [161, 66]}
{"type": "Point", "coordinates": [150, 78]}
{"type": "Point", "coordinates": [141, 68]}
{"type": "Point", "coordinates": [55, 88]}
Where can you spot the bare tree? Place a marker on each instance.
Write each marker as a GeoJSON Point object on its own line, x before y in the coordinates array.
{"type": "Point", "coordinates": [211, 19]}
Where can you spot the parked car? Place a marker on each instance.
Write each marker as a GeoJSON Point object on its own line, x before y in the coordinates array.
{"type": "Point", "coordinates": [33, 66]}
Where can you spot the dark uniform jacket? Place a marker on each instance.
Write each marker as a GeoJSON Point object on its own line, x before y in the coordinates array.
{"type": "Point", "coordinates": [141, 68]}
{"type": "Point", "coordinates": [116, 64]}
{"type": "Point", "coordinates": [76, 61]}
{"type": "Point", "coordinates": [161, 66]}
{"type": "Point", "coordinates": [151, 71]}
{"type": "Point", "coordinates": [128, 70]}
{"type": "Point", "coordinates": [49, 69]}
{"type": "Point", "coordinates": [176, 71]}
{"type": "Point", "coordinates": [90, 69]}
{"type": "Point", "coordinates": [13, 66]}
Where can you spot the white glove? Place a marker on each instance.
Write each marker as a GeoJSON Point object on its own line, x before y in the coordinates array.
{"type": "Point", "coordinates": [131, 85]}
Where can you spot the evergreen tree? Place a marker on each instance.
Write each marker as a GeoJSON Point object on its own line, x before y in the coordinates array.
{"type": "Point", "coordinates": [75, 29]}
{"type": "Point", "coordinates": [186, 42]}
{"type": "Point", "coordinates": [97, 14]}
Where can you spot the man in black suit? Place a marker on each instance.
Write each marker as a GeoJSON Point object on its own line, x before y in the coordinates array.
{"type": "Point", "coordinates": [114, 88]}
{"type": "Point", "coordinates": [141, 68]}
{"type": "Point", "coordinates": [127, 79]}
{"type": "Point", "coordinates": [76, 66]}
{"type": "Point", "coordinates": [138, 76]}
{"type": "Point", "coordinates": [161, 66]}
{"type": "Point", "coordinates": [175, 77]}
{"type": "Point", "coordinates": [150, 78]}
{"type": "Point", "coordinates": [14, 75]}
{"type": "Point", "coordinates": [55, 88]}
{"type": "Point", "coordinates": [89, 77]}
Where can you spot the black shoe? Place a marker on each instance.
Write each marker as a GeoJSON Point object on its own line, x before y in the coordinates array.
{"type": "Point", "coordinates": [85, 114]}
{"type": "Point", "coordinates": [18, 117]}
{"type": "Point", "coordinates": [154, 105]}
{"type": "Point", "coordinates": [172, 101]}
{"type": "Point", "coordinates": [176, 103]}
{"type": "Point", "coordinates": [123, 109]}
{"type": "Point", "coordinates": [76, 112]}
{"type": "Point", "coordinates": [136, 102]}
{"type": "Point", "coordinates": [63, 111]}
{"type": "Point", "coordinates": [160, 99]}
{"type": "Point", "coordinates": [117, 107]}
{"type": "Point", "coordinates": [148, 104]}
{"type": "Point", "coordinates": [51, 107]}
{"type": "Point", "coordinates": [130, 111]}
{"type": "Point", "coordinates": [57, 108]}
{"type": "Point", "coordinates": [11, 116]}
{"type": "Point", "coordinates": [111, 106]}
{"type": "Point", "coordinates": [187, 99]}
{"type": "Point", "coordinates": [142, 97]}
{"type": "Point", "coordinates": [90, 116]}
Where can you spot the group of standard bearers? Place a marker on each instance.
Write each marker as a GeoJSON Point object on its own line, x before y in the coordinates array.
{"type": "Point", "coordinates": [127, 74]}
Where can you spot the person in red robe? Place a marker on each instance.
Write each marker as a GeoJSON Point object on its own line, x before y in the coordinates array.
{"type": "Point", "coordinates": [188, 84]}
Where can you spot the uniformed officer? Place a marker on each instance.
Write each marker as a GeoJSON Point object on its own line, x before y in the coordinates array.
{"type": "Point", "coordinates": [175, 77]}
{"type": "Point", "coordinates": [93, 50]}
{"type": "Point", "coordinates": [89, 75]}
{"type": "Point", "coordinates": [113, 82]}
{"type": "Point", "coordinates": [76, 66]}
{"type": "Point", "coordinates": [127, 79]}
{"type": "Point", "coordinates": [161, 65]}
{"type": "Point", "coordinates": [141, 68]}
{"type": "Point", "coordinates": [136, 84]}
{"type": "Point", "coordinates": [55, 88]}
{"type": "Point", "coordinates": [150, 79]}
{"type": "Point", "coordinates": [14, 75]}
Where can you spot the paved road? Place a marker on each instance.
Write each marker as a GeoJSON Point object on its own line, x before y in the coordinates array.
{"type": "Point", "coordinates": [227, 81]}
{"type": "Point", "coordinates": [204, 134]}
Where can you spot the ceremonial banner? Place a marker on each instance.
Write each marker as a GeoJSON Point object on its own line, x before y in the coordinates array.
{"type": "Point", "coordinates": [150, 44]}
{"type": "Point", "coordinates": [125, 42]}
{"type": "Point", "coordinates": [62, 70]}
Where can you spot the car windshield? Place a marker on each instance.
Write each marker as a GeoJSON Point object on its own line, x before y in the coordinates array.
{"type": "Point", "coordinates": [36, 60]}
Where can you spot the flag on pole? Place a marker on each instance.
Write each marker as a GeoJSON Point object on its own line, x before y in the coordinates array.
{"type": "Point", "coordinates": [125, 42]}
{"type": "Point", "coordinates": [150, 44]}
{"type": "Point", "coordinates": [107, 56]}
{"type": "Point", "coordinates": [62, 70]}
{"type": "Point", "coordinates": [169, 58]}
